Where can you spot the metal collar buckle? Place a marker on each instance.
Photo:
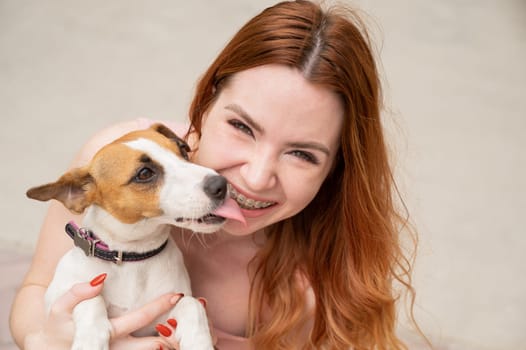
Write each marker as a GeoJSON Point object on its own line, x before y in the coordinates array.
{"type": "Point", "coordinates": [81, 240]}
{"type": "Point", "coordinates": [118, 257]}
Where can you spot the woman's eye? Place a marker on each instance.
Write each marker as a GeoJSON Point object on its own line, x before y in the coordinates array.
{"type": "Point", "coordinates": [241, 126]}
{"type": "Point", "coordinates": [305, 156]}
{"type": "Point", "coordinates": [144, 175]}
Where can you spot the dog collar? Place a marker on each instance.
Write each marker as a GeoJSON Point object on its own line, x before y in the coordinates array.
{"type": "Point", "coordinates": [92, 246]}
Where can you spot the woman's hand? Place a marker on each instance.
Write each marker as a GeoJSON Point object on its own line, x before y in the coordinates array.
{"type": "Point", "coordinates": [167, 330]}
{"type": "Point", "coordinates": [124, 325]}
{"type": "Point", "coordinates": [59, 328]}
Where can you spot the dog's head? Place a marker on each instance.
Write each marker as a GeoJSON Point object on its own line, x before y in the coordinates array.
{"type": "Point", "coordinates": [144, 175]}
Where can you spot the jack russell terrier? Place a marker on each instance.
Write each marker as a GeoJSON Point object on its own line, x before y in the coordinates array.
{"type": "Point", "coordinates": [134, 189]}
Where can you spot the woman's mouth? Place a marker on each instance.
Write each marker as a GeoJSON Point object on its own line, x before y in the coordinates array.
{"type": "Point", "coordinates": [247, 203]}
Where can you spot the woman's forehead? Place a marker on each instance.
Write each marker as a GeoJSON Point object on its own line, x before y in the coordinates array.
{"type": "Point", "coordinates": [279, 96]}
{"type": "Point", "coordinates": [280, 89]}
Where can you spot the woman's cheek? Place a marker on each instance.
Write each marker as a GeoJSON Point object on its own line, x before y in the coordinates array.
{"type": "Point", "coordinates": [300, 192]}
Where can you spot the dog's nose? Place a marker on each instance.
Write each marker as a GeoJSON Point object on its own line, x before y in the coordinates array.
{"type": "Point", "coordinates": [215, 187]}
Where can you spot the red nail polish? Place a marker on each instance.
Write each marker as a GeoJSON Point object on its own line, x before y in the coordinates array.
{"type": "Point", "coordinates": [163, 330]}
{"type": "Point", "coordinates": [160, 347]}
{"type": "Point", "coordinates": [202, 301]}
{"type": "Point", "coordinates": [98, 280]}
{"type": "Point", "coordinates": [175, 299]}
{"type": "Point", "coordinates": [172, 322]}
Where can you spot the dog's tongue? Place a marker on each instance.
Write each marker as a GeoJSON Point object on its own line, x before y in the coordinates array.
{"type": "Point", "coordinates": [230, 210]}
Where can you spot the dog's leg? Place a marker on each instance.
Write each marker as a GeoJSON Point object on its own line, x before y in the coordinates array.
{"type": "Point", "coordinates": [92, 327]}
{"type": "Point", "coordinates": [192, 332]}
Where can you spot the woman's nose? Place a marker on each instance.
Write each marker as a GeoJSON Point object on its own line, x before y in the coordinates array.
{"type": "Point", "coordinates": [259, 171]}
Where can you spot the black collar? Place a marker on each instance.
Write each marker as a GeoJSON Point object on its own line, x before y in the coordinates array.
{"type": "Point", "coordinates": [92, 246]}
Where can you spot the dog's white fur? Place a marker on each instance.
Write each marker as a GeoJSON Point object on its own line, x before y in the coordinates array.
{"type": "Point", "coordinates": [132, 284]}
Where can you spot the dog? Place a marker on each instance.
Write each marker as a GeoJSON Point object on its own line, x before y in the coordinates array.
{"type": "Point", "coordinates": [132, 191]}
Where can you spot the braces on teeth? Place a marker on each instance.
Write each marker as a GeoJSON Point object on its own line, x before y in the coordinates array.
{"type": "Point", "coordinates": [247, 203]}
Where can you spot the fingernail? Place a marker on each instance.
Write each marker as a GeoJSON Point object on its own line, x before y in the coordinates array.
{"type": "Point", "coordinates": [176, 298]}
{"type": "Point", "coordinates": [202, 301]}
{"type": "Point", "coordinates": [160, 347]}
{"type": "Point", "coordinates": [172, 322]}
{"type": "Point", "coordinates": [98, 280]}
{"type": "Point", "coordinates": [163, 330]}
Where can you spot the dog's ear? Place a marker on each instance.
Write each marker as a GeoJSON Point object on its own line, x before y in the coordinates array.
{"type": "Point", "coordinates": [167, 132]}
{"type": "Point", "coordinates": [74, 189]}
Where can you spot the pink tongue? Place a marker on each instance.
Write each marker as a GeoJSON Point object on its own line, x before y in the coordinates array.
{"type": "Point", "coordinates": [230, 210]}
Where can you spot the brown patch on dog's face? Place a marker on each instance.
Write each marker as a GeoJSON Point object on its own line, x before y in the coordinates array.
{"type": "Point", "coordinates": [127, 183]}
{"type": "Point", "coordinates": [124, 181]}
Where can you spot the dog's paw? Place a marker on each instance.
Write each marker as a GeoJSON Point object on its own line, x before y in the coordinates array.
{"type": "Point", "coordinates": [91, 340]}
{"type": "Point", "coordinates": [92, 327]}
{"type": "Point", "coordinates": [192, 331]}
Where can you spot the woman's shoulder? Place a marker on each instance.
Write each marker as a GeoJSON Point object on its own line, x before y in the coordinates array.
{"type": "Point", "coordinates": [113, 132]}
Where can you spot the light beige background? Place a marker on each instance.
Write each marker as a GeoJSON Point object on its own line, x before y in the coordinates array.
{"type": "Point", "coordinates": [455, 82]}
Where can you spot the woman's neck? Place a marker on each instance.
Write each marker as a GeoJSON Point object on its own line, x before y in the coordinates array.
{"type": "Point", "coordinates": [222, 237]}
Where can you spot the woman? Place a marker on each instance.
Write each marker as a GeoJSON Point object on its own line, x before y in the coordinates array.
{"type": "Point", "coordinates": [289, 113]}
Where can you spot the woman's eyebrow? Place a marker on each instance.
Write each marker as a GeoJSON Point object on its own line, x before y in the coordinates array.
{"type": "Point", "coordinates": [253, 124]}
{"type": "Point", "coordinates": [245, 116]}
{"type": "Point", "coordinates": [310, 145]}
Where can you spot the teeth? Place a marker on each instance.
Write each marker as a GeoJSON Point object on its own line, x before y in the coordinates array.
{"type": "Point", "coordinates": [247, 203]}
{"type": "Point", "coordinates": [240, 199]}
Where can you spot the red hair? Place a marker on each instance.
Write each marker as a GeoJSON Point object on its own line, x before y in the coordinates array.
{"type": "Point", "coordinates": [345, 243]}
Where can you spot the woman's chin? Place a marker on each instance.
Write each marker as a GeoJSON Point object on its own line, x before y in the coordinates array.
{"type": "Point", "coordinates": [236, 228]}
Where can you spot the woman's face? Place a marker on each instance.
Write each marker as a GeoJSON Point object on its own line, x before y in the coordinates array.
{"type": "Point", "coordinates": [274, 136]}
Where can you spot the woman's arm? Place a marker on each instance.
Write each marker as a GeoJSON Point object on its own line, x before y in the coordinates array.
{"type": "Point", "coordinates": [57, 333]}
{"type": "Point", "coordinates": [27, 312]}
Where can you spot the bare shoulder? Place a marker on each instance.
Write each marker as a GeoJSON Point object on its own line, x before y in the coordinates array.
{"type": "Point", "coordinates": [113, 132]}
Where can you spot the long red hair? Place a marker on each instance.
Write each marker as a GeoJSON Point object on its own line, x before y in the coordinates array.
{"type": "Point", "coordinates": [346, 242]}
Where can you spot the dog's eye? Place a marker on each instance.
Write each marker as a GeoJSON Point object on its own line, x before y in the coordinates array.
{"type": "Point", "coordinates": [144, 175]}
